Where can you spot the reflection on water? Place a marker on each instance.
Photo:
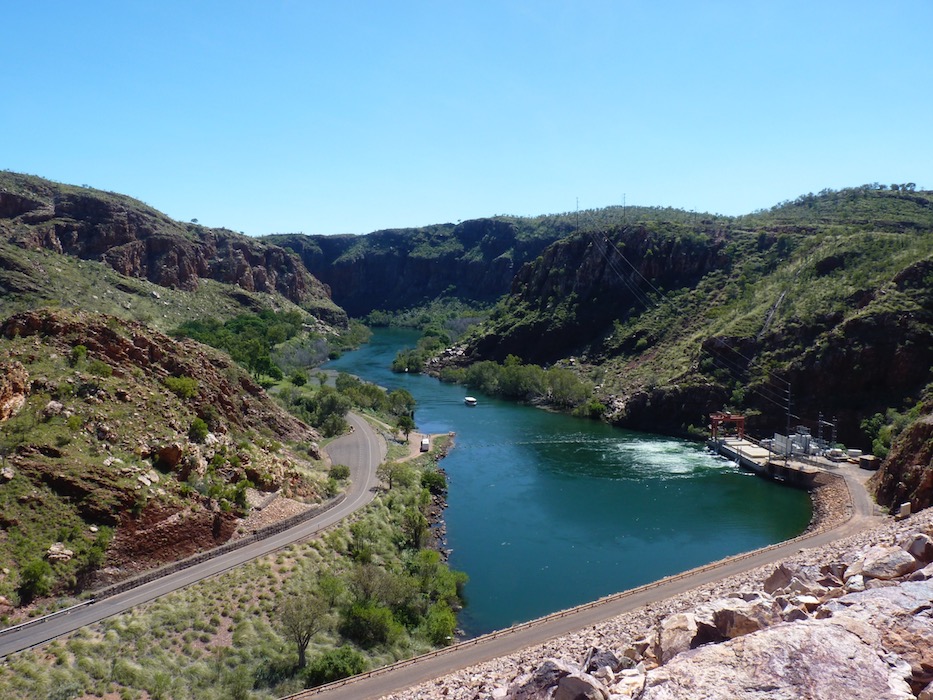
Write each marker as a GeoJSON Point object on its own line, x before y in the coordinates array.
{"type": "Point", "coordinates": [547, 511]}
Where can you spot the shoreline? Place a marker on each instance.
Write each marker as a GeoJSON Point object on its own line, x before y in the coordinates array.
{"type": "Point", "coordinates": [833, 506]}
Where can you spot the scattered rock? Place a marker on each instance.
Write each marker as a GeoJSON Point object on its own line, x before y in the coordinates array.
{"type": "Point", "coordinates": [920, 547]}
{"type": "Point", "coordinates": [832, 630]}
{"type": "Point", "coordinates": [169, 456]}
{"type": "Point", "coordinates": [53, 408]}
{"type": "Point", "coordinates": [58, 552]}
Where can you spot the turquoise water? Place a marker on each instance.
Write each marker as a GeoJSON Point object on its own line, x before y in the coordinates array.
{"type": "Point", "coordinates": [547, 511]}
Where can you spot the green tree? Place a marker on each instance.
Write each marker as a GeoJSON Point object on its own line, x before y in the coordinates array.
{"type": "Point", "coordinates": [440, 624]}
{"type": "Point", "coordinates": [401, 403]}
{"type": "Point", "coordinates": [300, 615]}
{"type": "Point", "coordinates": [414, 528]}
{"type": "Point", "coordinates": [370, 624]}
{"type": "Point", "coordinates": [396, 473]}
{"type": "Point", "coordinates": [405, 424]}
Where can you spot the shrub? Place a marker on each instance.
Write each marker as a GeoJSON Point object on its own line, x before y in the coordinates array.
{"type": "Point", "coordinates": [339, 472]}
{"type": "Point", "coordinates": [332, 665]}
{"type": "Point", "coordinates": [78, 354]}
{"type": "Point", "coordinates": [182, 387]}
{"type": "Point", "coordinates": [99, 368]}
{"type": "Point", "coordinates": [35, 580]}
{"type": "Point", "coordinates": [198, 430]}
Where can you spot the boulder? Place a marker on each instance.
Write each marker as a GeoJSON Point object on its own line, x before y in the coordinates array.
{"type": "Point", "coordinates": [734, 617]}
{"type": "Point", "coordinates": [628, 683]}
{"type": "Point", "coordinates": [53, 408]}
{"type": "Point", "coordinates": [886, 563]}
{"type": "Point", "coordinates": [169, 456]}
{"type": "Point", "coordinates": [901, 616]}
{"type": "Point", "coordinates": [805, 580]}
{"type": "Point", "coordinates": [677, 634]}
{"type": "Point", "coordinates": [602, 658]}
{"type": "Point", "coordinates": [58, 552]}
{"type": "Point", "coordinates": [920, 547]}
{"type": "Point", "coordinates": [580, 686]}
{"type": "Point", "coordinates": [808, 659]}
{"type": "Point", "coordinates": [855, 584]}
{"type": "Point", "coordinates": [14, 380]}
{"type": "Point", "coordinates": [923, 574]}
{"type": "Point", "coordinates": [540, 684]}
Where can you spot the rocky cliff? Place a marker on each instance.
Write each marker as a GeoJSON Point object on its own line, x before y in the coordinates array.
{"type": "Point", "coordinates": [138, 241]}
{"type": "Point", "coordinates": [906, 475]}
{"type": "Point", "coordinates": [399, 269]}
{"type": "Point", "coordinates": [672, 320]}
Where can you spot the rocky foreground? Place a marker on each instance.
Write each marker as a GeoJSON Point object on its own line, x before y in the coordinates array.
{"type": "Point", "coordinates": [850, 620]}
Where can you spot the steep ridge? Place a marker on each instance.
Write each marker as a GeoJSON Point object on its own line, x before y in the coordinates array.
{"type": "Point", "coordinates": [828, 298]}
{"type": "Point", "coordinates": [398, 269]}
{"type": "Point", "coordinates": [138, 241]}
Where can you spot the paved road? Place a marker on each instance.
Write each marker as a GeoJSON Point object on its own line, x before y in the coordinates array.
{"type": "Point", "coordinates": [414, 671]}
{"type": "Point", "coordinates": [362, 450]}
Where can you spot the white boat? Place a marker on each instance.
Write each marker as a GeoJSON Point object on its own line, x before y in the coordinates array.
{"type": "Point", "coordinates": [469, 400]}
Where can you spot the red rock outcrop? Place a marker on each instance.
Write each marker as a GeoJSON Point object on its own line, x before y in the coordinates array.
{"type": "Point", "coordinates": [13, 388]}
{"type": "Point", "coordinates": [139, 241]}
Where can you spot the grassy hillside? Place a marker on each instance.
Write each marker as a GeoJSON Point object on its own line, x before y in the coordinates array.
{"type": "Point", "coordinates": [830, 292]}
{"type": "Point", "coordinates": [117, 427]}
{"type": "Point", "coordinates": [140, 242]}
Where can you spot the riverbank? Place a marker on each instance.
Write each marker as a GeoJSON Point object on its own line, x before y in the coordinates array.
{"type": "Point", "coordinates": [832, 507]}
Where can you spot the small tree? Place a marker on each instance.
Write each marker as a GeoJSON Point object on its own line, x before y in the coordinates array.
{"type": "Point", "coordinates": [393, 473]}
{"type": "Point", "coordinates": [406, 424]}
{"type": "Point", "coordinates": [300, 616]}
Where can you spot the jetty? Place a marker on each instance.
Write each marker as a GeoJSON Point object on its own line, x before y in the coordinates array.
{"type": "Point", "coordinates": [750, 455]}
{"type": "Point", "coordinates": [756, 457]}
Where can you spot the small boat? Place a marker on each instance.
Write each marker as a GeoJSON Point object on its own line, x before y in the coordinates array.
{"type": "Point", "coordinates": [469, 400]}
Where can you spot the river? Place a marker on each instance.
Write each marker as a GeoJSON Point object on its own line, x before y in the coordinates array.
{"type": "Point", "coordinates": [547, 511]}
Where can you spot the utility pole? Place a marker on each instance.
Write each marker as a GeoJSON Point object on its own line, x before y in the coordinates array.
{"type": "Point", "coordinates": [787, 446]}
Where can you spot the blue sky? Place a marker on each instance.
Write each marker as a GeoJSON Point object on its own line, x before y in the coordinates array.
{"type": "Point", "coordinates": [348, 117]}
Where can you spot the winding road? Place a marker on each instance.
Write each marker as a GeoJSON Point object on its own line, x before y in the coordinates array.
{"type": "Point", "coordinates": [411, 672]}
{"type": "Point", "coordinates": [362, 450]}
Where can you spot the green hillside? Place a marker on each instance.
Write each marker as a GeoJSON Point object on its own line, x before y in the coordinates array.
{"type": "Point", "coordinates": [830, 293]}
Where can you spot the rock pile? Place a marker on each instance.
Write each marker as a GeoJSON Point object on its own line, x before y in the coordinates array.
{"type": "Point", "coordinates": [850, 620]}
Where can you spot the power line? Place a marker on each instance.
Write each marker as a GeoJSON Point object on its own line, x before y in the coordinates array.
{"type": "Point", "coordinates": [736, 370]}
